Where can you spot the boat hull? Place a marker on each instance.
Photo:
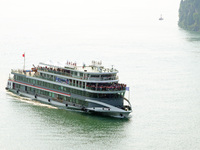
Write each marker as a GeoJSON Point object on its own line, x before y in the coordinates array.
{"type": "Point", "coordinates": [113, 112]}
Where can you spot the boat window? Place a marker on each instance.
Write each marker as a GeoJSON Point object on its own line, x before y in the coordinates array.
{"type": "Point", "coordinates": [75, 73]}
{"type": "Point", "coordinates": [95, 76]}
{"type": "Point", "coordinates": [106, 75]}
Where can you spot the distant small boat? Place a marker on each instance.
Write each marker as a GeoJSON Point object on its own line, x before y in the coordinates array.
{"type": "Point", "coordinates": [161, 18]}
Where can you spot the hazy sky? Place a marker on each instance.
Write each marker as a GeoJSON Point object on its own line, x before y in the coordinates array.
{"type": "Point", "coordinates": [81, 8]}
{"type": "Point", "coordinates": [29, 25]}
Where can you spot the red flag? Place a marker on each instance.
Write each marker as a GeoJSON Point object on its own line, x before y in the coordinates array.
{"type": "Point", "coordinates": [23, 55]}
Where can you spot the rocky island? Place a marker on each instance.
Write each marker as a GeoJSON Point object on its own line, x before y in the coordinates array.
{"type": "Point", "coordinates": [189, 15]}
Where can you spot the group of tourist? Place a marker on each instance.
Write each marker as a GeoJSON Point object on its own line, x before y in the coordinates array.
{"type": "Point", "coordinates": [62, 71]}
{"type": "Point", "coordinates": [107, 87]}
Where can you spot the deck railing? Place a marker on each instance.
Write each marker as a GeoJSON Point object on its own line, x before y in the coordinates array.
{"type": "Point", "coordinates": [75, 76]}
{"type": "Point", "coordinates": [118, 87]}
{"type": "Point", "coordinates": [93, 87]}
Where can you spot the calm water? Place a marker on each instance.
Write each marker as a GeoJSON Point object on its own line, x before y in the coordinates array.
{"type": "Point", "coordinates": [158, 60]}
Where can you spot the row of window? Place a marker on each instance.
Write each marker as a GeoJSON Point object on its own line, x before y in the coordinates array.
{"type": "Point", "coordinates": [51, 94]}
{"type": "Point", "coordinates": [68, 90]}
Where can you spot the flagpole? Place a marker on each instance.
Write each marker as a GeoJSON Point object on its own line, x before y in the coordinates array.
{"type": "Point", "coordinates": [24, 60]}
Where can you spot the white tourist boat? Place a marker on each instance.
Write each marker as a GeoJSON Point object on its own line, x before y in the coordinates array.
{"type": "Point", "coordinates": [92, 89]}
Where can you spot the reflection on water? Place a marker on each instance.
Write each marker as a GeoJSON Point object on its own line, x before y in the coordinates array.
{"type": "Point", "coordinates": [191, 36]}
{"type": "Point", "coordinates": [192, 39]}
{"type": "Point", "coordinates": [68, 127]}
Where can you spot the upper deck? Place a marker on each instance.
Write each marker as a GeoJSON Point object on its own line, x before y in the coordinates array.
{"type": "Point", "coordinates": [94, 72]}
{"type": "Point", "coordinates": [93, 78]}
{"type": "Point", "coordinates": [92, 87]}
{"type": "Point", "coordinates": [94, 68]}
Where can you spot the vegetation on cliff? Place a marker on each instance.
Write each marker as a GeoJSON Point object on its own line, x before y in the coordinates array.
{"type": "Point", "coordinates": [189, 15]}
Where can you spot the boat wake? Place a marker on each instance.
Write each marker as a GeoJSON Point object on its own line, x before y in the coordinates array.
{"type": "Point", "coordinates": [30, 101]}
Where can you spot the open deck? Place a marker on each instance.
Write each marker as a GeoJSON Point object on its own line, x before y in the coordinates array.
{"type": "Point", "coordinates": [91, 86]}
